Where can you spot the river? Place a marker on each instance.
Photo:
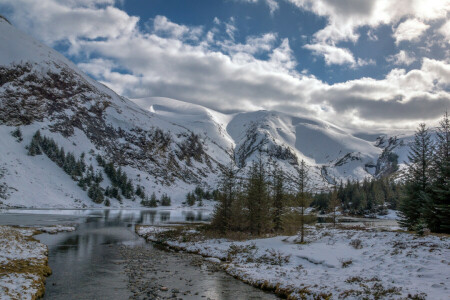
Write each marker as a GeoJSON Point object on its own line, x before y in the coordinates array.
{"type": "Point", "coordinates": [105, 259]}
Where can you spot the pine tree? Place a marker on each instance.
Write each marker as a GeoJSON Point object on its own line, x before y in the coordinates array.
{"type": "Point", "coordinates": [190, 199]}
{"type": "Point", "coordinates": [165, 200]}
{"type": "Point", "coordinates": [258, 201]}
{"type": "Point", "coordinates": [440, 220]}
{"type": "Point", "coordinates": [416, 204]}
{"type": "Point", "coordinates": [34, 148]}
{"type": "Point", "coordinates": [153, 201]}
{"type": "Point", "coordinates": [334, 205]}
{"type": "Point", "coordinates": [17, 133]}
{"type": "Point", "coordinates": [226, 195]}
{"type": "Point", "coordinates": [302, 196]}
{"type": "Point", "coordinates": [278, 197]}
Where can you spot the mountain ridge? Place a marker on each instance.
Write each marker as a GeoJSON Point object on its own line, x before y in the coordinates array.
{"type": "Point", "coordinates": [164, 145]}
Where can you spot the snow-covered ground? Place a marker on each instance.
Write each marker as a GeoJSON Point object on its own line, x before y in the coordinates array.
{"type": "Point", "coordinates": [23, 262]}
{"type": "Point", "coordinates": [351, 263]}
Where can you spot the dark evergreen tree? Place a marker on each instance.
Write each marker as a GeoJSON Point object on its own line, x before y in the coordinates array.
{"type": "Point", "coordinates": [416, 204]}
{"type": "Point", "coordinates": [302, 196]}
{"type": "Point", "coordinates": [17, 133]}
{"type": "Point", "coordinates": [96, 194]}
{"type": "Point", "coordinates": [34, 148]}
{"type": "Point", "coordinates": [226, 195]}
{"type": "Point", "coordinates": [153, 201]}
{"type": "Point", "coordinates": [165, 200]}
{"type": "Point", "coordinates": [258, 200]}
{"type": "Point", "coordinates": [278, 187]}
{"type": "Point", "coordinates": [439, 220]}
{"type": "Point", "coordinates": [190, 199]}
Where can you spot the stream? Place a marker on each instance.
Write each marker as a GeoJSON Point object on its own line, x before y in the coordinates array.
{"type": "Point", "coordinates": [105, 259]}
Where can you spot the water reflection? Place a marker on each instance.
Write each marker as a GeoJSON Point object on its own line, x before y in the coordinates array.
{"type": "Point", "coordinates": [86, 263]}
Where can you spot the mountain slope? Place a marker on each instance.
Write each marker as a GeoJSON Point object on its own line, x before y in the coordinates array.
{"type": "Point", "coordinates": [163, 145]}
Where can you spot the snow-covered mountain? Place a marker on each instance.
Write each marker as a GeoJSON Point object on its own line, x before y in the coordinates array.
{"type": "Point", "coordinates": [163, 145]}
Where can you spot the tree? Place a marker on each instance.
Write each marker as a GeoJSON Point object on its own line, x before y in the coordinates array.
{"type": "Point", "coordinates": [278, 197]}
{"type": "Point", "coordinates": [302, 196]}
{"type": "Point", "coordinates": [334, 205]}
{"type": "Point", "coordinates": [153, 201]}
{"type": "Point", "coordinates": [226, 195]}
{"type": "Point", "coordinates": [440, 220]}
{"type": "Point", "coordinates": [96, 194]}
{"type": "Point", "coordinates": [258, 198]}
{"type": "Point", "coordinates": [165, 200]}
{"type": "Point", "coordinates": [17, 133]}
{"type": "Point", "coordinates": [190, 199]}
{"type": "Point", "coordinates": [34, 148]}
{"type": "Point", "coordinates": [416, 204]}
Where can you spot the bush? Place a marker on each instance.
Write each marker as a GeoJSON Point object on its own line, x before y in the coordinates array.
{"type": "Point", "coordinates": [356, 243]}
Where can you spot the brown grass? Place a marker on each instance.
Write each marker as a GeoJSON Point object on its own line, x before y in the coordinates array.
{"type": "Point", "coordinates": [32, 266]}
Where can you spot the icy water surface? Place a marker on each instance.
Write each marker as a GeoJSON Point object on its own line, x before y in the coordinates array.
{"type": "Point", "coordinates": [105, 259]}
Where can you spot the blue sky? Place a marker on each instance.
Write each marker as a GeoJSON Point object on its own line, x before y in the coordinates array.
{"type": "Point", "coordinates": [372, 64]}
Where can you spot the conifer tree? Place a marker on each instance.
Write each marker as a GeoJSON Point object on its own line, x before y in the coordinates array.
{"type": "Point", "coordinates": [278, 187]}
{"type": "Point", "coordinates": [258, 201]}
{"type": "Point", "coordinates": [334, 205]}
{"type": "Point", "coordinates": [34, 148]}
{"type": "Point", "coordinates": [418, 182]}
{"type": "Point", "coordinates": [226, 195]}
{"type": "Point", "coordinates": [153, 201]}
{"type": "Point", "coordinates": [302, 196]}
{"type": "Point", "coordinates": [440, 220]}
{"type": "Point", "coordinates": [165, 200]}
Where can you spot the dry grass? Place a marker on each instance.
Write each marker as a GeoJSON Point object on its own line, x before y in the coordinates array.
{"type": "Point", "coordinates": [35, 269]}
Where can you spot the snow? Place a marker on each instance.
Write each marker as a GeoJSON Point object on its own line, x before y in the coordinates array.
{"type": "Point", "coordinates": [396, 263]}
{"type": "Point", "coordinates": [16, 247]}
{"type": "Point", "coordinates": [36, 182]}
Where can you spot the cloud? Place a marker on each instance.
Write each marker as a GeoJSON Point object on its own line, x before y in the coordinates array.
{"type": "Point", "coordinates": [272, 4]}
{"type": "Point", "coordinates": [53, 21]}
{"type": "Point", "coordinates": [401, 58]}
{"type": "Point", "coordinates": [445, 31]}
{"type": "Point", "coordinates": [162, 25]}
{"type": "Point", "coordinates": [332, 54]}
{"type": "Point", "coordinates": [409, 30]}
{"type": "Point", "coordinates": [346, 17]}
{"type": "Point", "coordinates": [214, 70]}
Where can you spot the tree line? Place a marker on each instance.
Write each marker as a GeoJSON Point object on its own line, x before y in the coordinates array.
{"type": "Point", "coordinates": [369, 197]}
{"type": "Point", "coordinates": [266, 200]}
{"type": "Point", "coordinates": [88, 179]}
{"type": "Point", "coordinates": [263, 200]}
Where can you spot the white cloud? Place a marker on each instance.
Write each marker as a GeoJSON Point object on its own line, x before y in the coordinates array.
{"type": "Point", "coordinates": [226, 75]}
{"type": "Point", "coordinates": [230, 29]}
{"type": "Point", "coordinates": [272, 4]}
{"type": "Point", "coordinates": [162, 25]}
{"type": "Point", "coordinates": [401, 58]}
{"type": "Point", "coordinates": [445, 31]}
{"type": "Point", "coordinates": [53, 21]}
{"type": "Point", "coordinates": [409, 30]}
{"type": "Point", "coordinates": [332, 54]}
{"type": "Point", "coordinates": [346, 17]}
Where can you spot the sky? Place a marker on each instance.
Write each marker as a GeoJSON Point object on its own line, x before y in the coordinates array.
{"type": "Point", "coordinates": [366, 65]}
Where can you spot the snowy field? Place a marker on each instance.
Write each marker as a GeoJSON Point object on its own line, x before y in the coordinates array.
{"type": "Point", "coordinates": [23, 262]}
{"type": "Point", "coordinates": [351, 263]}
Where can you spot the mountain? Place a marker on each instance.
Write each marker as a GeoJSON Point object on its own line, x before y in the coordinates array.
{"type": "Point", "coordinates": [162, 145]}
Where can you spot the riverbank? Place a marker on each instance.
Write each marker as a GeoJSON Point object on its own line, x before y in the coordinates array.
{"type": "Point", "coordinates": [24, 261]}
{"type": "Point", "coordinates": [344, 262]}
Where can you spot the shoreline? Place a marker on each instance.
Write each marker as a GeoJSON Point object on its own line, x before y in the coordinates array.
{"type": "Point", "coordinates": [344, 264]}
{"type": "Point", "coordinates": [24, 261]}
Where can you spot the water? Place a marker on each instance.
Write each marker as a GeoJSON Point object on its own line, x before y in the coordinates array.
{"type": "Point", "coordinates": [89, 263]}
